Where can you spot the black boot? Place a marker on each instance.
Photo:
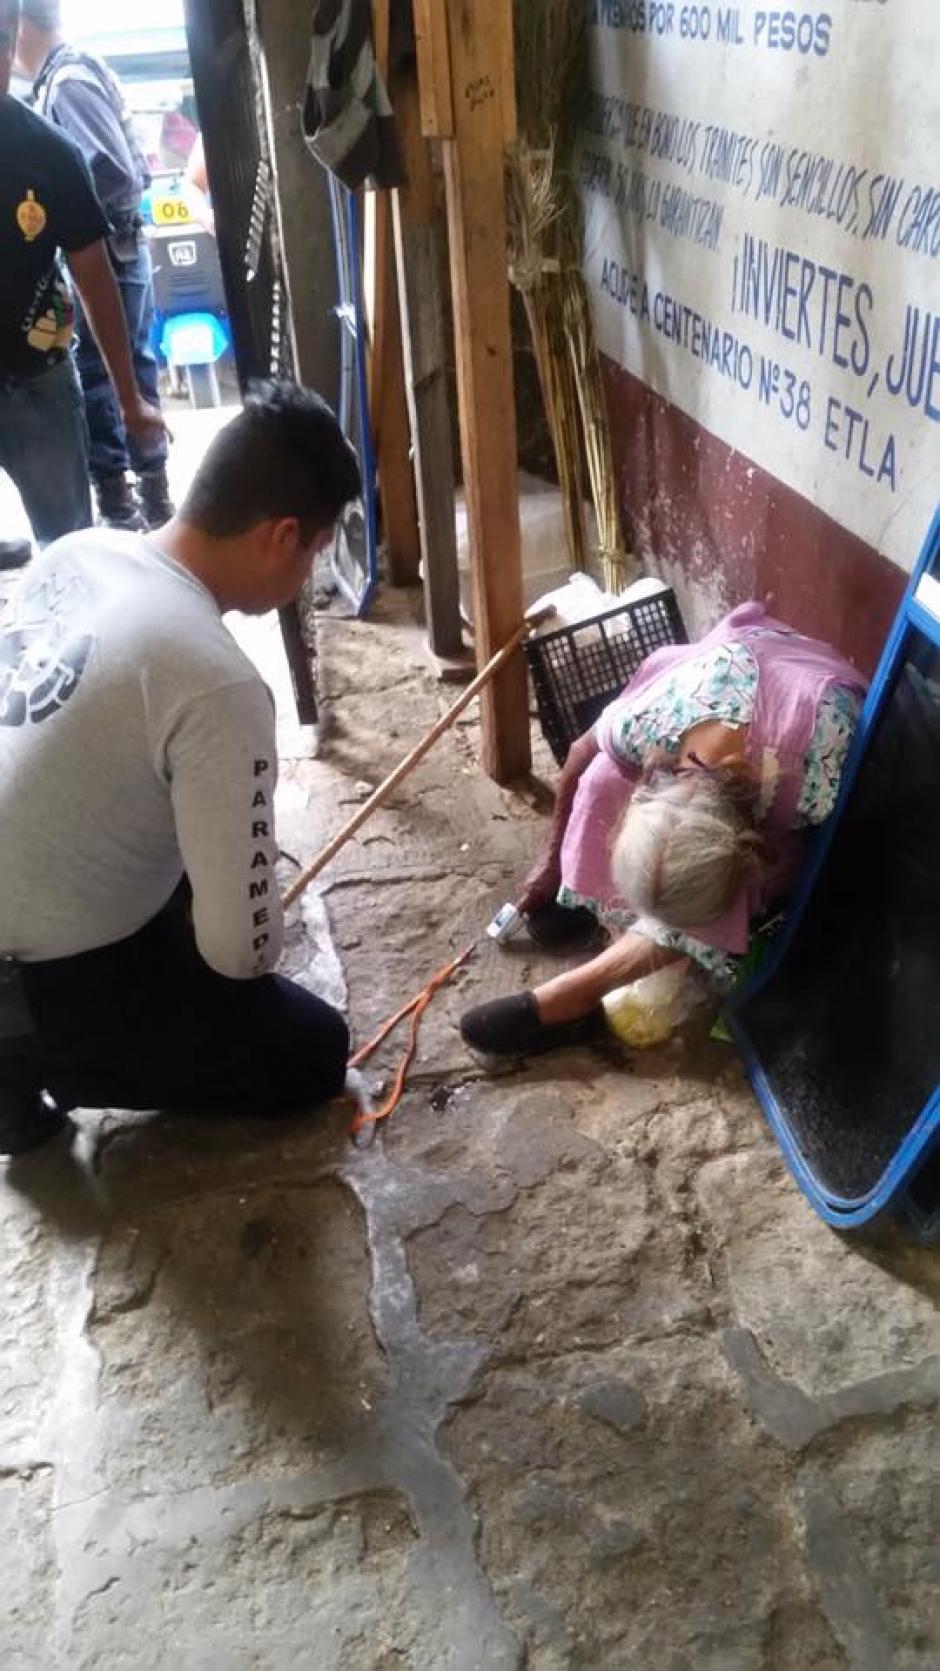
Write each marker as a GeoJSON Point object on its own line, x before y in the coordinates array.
{"type": "Point", "coordinates": [14, 554]}
{"type": "Point", "coordinates": [155, 500]}
{"type": "Point", "coordinates": [117, 504]}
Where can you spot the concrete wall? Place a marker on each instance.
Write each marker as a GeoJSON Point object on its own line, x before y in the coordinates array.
{"type": "Point", "coordinates": [721, 530]}
{"type": "Point", "coordinates": [762, 239]}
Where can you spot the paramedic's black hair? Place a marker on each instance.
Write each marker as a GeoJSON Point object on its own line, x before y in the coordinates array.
{"type": "Point", "coordinates": [283, 455]}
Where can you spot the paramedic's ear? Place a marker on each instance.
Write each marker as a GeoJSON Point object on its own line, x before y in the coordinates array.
{"type": "Point", "coordinates": [290, 550]}
{"type": "Point", "coordinates": [288, 555]}
{"type": "Point", "coordinates": [285, 535]}
{"type": "Point", "coordinates": [293, 540]}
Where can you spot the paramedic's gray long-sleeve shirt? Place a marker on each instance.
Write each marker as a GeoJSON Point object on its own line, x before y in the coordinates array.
{"type": "Point", "coordinates": [136, 741]}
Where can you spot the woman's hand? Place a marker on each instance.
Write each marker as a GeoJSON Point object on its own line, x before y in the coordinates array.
{"type": "Point", "coordinates": [544, 879]}
{"type": "Point", "coordinates": [542, 883]}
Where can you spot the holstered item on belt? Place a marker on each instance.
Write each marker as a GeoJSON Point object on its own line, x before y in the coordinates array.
{"type": "Point", "coordinates": [124, 239]}
{"type": "Point", "coordinates": [15, 1016]}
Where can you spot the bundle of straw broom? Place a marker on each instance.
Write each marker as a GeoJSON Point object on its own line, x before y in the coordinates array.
{"type": "Point", "coordinates": [545, 255]}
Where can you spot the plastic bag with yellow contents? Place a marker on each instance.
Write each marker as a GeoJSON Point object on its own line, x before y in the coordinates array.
{"type": "Point", "coordinates": [648, 1011]}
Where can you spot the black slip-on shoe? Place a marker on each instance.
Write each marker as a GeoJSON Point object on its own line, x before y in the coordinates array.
{"type": "Point", "coordinates": [562, 927]}
{"type": "Point", "coordinates": [512, 1027]}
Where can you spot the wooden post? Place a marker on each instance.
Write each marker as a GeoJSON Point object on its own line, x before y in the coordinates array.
{"type": "Point", "coordinates": [423, 338]}
{"type": "Point", "coordinates": [437, 104]}
{"type": "Point", "coordinates": [481, 79]}
{"type": "Point", "coordinates": [388, 407]}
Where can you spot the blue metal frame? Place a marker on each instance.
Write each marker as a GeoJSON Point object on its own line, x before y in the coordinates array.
{"type": "Point", "coordinates": [354, 390]}
{"type": "Point", "coordinates": [924, 1136]}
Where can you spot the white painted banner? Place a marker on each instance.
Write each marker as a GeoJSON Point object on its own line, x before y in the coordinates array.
{"type": "Point", "coordinates": [762, 198]}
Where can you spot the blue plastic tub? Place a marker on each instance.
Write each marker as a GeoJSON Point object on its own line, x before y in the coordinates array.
{"type": "Point", "coordinates": [840, 1029]}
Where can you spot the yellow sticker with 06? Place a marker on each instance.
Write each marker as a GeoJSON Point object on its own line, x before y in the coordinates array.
{"type": "Point", "coordinates": [170, 211]}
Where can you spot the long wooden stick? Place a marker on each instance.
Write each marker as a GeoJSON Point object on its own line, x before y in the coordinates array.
{"type": "Point", "coordinates": [402, 770]}
{"type": "Point", "coordinates": [480, 47]}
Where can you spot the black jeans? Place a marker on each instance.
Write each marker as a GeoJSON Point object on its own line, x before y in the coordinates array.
{"type": "Point", "coordinates": [145, 1023]}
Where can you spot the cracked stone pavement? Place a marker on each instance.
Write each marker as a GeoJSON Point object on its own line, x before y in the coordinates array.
{"type": "Point", "coordinates": [562, 1372]}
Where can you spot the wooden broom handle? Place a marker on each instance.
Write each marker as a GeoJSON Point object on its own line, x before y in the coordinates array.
{"type": "Point", "coordinates": [385, 789]}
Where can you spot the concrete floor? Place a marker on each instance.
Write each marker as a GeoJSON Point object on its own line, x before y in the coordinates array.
{"type": "Point", "coordinates": [561, 1373]}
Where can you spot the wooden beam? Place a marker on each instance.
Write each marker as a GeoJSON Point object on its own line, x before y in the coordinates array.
{"type": "Point", "coordinates": [380, 36]}
{"type": "Point", "coordinates": [393, 445]}
{"type": "Point", "coordinates": [388, 407]}
{"type": "Point", "coordinates": [437, 107]}
{"type": "Point", "coordinates": [474, 162]}
{"type": "Point", "coordinates": [507, 69]}
{"type": "Point", "coordinates": [425, 353]}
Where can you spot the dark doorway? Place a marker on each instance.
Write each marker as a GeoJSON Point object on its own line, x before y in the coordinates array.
{"type": "Point", "coordinates": [229, 97]}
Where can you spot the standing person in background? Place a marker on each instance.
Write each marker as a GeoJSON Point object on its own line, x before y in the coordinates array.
{"type": "Point", "coordinates": [195, 187]}
{"type": "Point", "coordinates": [80, 95]}
{"type": "Point", "coordinates": [48, 208]}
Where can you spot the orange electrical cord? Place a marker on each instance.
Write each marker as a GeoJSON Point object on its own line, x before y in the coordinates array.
{"type": "Point", "coordinates": [416, 1008]}
{"type": "Point", "coordinates": [379, 796]}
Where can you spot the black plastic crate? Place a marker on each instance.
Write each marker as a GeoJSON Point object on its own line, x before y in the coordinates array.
{"type": "Point", "coordinates": [577, 670]}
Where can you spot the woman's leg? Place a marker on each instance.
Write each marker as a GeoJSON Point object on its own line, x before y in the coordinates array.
{"type": "Point", "coordinates": [563, 1011]}
{"type": "Point", "coordinates": [574, 994]}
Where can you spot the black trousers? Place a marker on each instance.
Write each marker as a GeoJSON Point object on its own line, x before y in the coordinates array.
{"type": "Point", "coordinates": [146, 1024]}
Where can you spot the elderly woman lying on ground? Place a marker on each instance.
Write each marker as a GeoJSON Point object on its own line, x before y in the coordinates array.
{"type": "Point", "coordinates": [679, 819]}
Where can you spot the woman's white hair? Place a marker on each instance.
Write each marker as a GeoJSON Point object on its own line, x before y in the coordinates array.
{"type": "Point", "coordinates": [686, 847]}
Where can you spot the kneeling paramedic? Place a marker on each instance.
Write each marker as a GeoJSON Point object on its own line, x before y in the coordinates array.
{"type": "Point", "coordinates": [140, 921]}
